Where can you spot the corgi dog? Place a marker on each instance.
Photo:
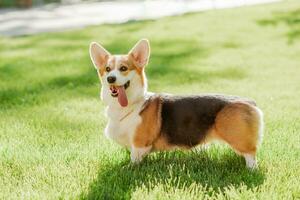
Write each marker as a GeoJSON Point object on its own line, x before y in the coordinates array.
{"type": "Point", "coordinates": [145, 122]}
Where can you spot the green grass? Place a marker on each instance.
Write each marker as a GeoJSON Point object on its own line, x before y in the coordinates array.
{"type": "Point", "coordinates": [51, 119]}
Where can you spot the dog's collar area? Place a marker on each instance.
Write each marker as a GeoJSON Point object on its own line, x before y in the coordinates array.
{"type": "Point", "coordinates": [126, 115]}
{"type": "Point", "coordinates": [131, 111]}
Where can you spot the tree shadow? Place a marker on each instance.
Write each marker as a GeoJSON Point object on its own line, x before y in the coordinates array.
{"type": "Point", "coordinates": [31, 93]}
{"type": "Point", "coordinates": [289, 18]}
{"type": "Point", "coordinates": [119, 181]}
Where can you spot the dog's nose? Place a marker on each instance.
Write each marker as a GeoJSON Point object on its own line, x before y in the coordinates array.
{"type": "Point", "coordinates": [111, 79]}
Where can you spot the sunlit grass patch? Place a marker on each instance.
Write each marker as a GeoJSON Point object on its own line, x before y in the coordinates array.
{"type": "Point", "coordinates": [51, 119]}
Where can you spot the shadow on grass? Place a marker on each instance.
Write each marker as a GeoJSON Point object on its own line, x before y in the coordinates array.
{"type": "Point", "coordinates": [119, 181]}
{"type": "Point", "coordinates": [30, 94]}
{"type": "Point", "coordinates": [290, 18]}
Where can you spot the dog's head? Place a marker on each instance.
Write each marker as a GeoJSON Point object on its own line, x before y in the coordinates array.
{"type": "Point", "coordinates": [122, 76]}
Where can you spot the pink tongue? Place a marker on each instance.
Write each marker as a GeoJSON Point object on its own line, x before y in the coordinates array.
{"type": "Point", "coordinates": [122, 98]}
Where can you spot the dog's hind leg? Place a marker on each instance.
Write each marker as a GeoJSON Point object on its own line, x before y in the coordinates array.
{"type": "Point", "coordinates": [240, 125]}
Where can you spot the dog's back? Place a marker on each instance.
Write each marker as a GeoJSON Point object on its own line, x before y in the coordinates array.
{"type": "Point", "coordinates": [186, 120]}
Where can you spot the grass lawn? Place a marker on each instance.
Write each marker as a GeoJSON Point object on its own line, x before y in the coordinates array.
{"type": "Point", "coordinates": [51, 119]}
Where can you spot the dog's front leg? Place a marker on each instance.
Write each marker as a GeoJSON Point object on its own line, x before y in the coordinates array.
{"type": "Point", "coordinates": [138, 153]}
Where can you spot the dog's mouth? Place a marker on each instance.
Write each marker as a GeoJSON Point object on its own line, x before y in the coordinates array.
{"type": "Point", "coordinates": [119, 91]}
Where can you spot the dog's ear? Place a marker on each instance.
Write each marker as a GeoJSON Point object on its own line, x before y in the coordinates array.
{"type": "Point", "coordinates": [99, 55]}
{"type": "Point", "coordinates": [140, 53]}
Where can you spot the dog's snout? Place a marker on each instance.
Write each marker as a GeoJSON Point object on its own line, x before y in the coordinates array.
{"type": "Point", "coordinates": [111, 79]}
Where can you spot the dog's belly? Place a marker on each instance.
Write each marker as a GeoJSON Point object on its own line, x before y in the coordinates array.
{"type": "Point", "coordinates": [122, 131]}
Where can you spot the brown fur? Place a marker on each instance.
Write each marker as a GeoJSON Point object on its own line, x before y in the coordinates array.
{"type": "Point", "coordinates": [111, 63]}
{"type": "Point", "coordinates": [161, 143]}
{"type": "Point", "coordinates": [101, 66]}
{"type": "Point", "coordinates": [139, 70]}
{"type": "Point", "coordinates": [238, 124]}
{"type": "Point", "coordinates": [149, 128]}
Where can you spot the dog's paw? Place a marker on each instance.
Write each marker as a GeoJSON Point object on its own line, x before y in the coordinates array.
{"type": "Point", "coordinates": [251, 162]}
{"type": "Point", "coordinates": [137, 154]}
{"type": "Point", "coordinates": [136, 160]}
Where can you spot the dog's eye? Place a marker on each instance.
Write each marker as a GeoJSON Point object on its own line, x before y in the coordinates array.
{"type": "Point", "coordinates": [123, 69]}
{"type": "Point", "coordinates": [107, 69]}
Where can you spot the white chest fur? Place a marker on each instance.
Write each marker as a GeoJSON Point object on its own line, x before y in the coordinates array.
{"type": "Point", "coordinates": [122, 123]}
